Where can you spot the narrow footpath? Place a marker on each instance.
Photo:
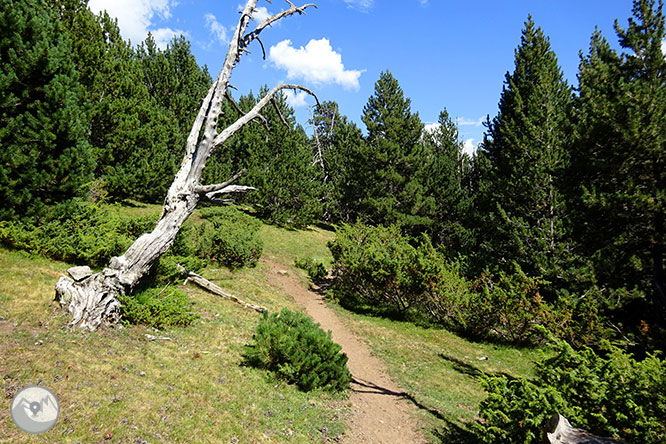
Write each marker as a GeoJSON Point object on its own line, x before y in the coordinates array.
{"type": "Point", "coordinates": [380, 412]}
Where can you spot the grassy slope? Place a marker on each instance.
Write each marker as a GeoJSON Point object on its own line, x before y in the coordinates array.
{"type": "Point", "coordinates": [195, 388]}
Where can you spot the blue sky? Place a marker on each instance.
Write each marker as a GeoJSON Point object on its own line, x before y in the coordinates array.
{"type": "Point", "coordinates": [443, 53]}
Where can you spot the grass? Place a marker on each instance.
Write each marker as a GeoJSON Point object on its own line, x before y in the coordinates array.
{"type": "Point", "coordinates": [195, 387]}
{"type": "Point", "coordinates": [439, 370]}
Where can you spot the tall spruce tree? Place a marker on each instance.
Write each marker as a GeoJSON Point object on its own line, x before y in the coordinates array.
{"type": "Point", "coordinates": [336, 142]}
{"type": "Point", "coordinates": [445, 175]}
{"type": "Point", "coordinates": [391, 157]}
{"type": "Point", "coordinates": [619, 156]}
{"type": "Point", "coordinates": [44, 155]}
{"type": "Point", "coordinates": [522, 159]}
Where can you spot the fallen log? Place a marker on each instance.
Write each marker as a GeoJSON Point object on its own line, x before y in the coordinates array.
{"type": "Point", "coordinates": [560, 431]}
{"type": "Point", "coordinates": [208, 285]}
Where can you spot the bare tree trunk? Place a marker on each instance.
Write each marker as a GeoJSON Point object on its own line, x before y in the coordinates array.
{"type": "Point", "coordinates": [559, 431]}
{"type": "Point", "coordinates": [92, 300]}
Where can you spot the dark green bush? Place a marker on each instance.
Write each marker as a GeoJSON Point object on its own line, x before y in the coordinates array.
{"type": "Point", "coordinates": [157, 308]}
{"type": "Point", "coordinates": [297, 350]}
{"type": "Point", "coordinates": [610, 395]}
{"type": "Point", "coordinates": [79, 232]}
{"type": "Point", "coordinates": [373, 265]}
{"type": "Point", "coordinates": [315, 270]}
{"type": "Point", "coordinates": [229, 236]}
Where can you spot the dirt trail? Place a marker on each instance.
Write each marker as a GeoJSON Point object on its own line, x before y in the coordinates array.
{"type": "Point", "coordinates": [380, 413]}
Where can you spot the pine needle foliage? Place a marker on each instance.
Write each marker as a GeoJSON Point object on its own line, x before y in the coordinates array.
{"type": "Point", "coordinates": [297, 350]}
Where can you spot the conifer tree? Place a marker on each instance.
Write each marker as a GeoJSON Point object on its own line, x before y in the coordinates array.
{"type": "Point", "coordinates": [522, 159]}
{"type": "Point", "coordinates": [336, 143]}
{"type": "Point", "coordinates": [618, 157]}
{"type": "Point", "coordinates": [390, 158]}
{"type": "Point", "coordinates": [44, 156]}
{"type": "Point", "coordinates": [445, 176]}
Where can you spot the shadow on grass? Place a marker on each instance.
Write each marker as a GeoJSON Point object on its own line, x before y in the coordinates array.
{"type": "Point", "coordinates": [451, 433]}
{"type": "Point", "coordinates": [454, 434]}
{"type": "Point", "coordinates": [468, 369]}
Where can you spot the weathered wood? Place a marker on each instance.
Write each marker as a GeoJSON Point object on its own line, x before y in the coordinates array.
{"type": "Point", "coordinates": [93, 299]}
{"type": "Point", "coordinates": [79, 273]}
{"type": "Point", "coordinates": [208, 285]}
{"type": "Point", "coordinates": [560, 431]}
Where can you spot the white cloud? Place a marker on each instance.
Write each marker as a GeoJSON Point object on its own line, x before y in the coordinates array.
{"type": "Point", "coordinates": [469, 146]}
{"type": "Point", "coordinates": [295, 99]}
{"type": "Point", "coordinates": [663, 46]}
{"type": "Point", "coordinates": [461, 121]}
{"type": "Point", "coordinates": [260, 14]}
{"type": "Point", "coordinates": [216, 28]}
{"type": "Point", "coordinates": [361, 5]}
{"type": "Point", "coordinates": [135, 17]}
{"type": "Point", "coordinates": [430, 127]}
{"type": "Point", "coordinates": [423, 2]}
{"type": "Point", "coordinates": [163, 36]}
{"type": "Point", "coordinates": [316, 63]}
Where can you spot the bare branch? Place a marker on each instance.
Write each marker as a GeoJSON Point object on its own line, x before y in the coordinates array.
{"type": "Point", "coordinates": [238, 124]}
{"type": "Point", "coordinates": [293, 9]}
{"type": "Point", "coordinates": [230, 189]}
{"type": "Point", "coordinates": [205, 189]}
{"type": "Point", "coordinates": [263, 50]}
{"type": "Point", "coordinates": [279, 113]}
{"type": "Point", "coordinates": [242, 113]}
{"type": "Point", "coordinates": [201, 117]}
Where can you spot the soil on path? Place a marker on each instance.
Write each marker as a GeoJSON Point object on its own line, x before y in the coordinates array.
{"type": "Point", "coordinates": [380, 412]}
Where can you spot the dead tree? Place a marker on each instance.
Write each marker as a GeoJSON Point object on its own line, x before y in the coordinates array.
{"type": "Point", "coordinates": [92, 298]}
{"type": "Point", "coordinates": [560, 431]}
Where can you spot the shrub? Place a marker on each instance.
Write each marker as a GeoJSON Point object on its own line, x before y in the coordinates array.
{"type": "Point", "coordinates": [230, 237]}
{"type": "Point", "coordinates": [79, 232]}
{"type": "Point", "coordinates": [297, 350]}
{"type": "Point", "coordinates": [611, 395]}
{"type": "Point", "coordinates": [315, 269]}
{"type": "Point", "coordinates": [157, 308]}
{"type": "Point", "coordinates": [373, 265]}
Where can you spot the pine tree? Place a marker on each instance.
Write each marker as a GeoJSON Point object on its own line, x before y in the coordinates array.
{"type": "Point", "coordinates": [278, 162]}
{"type": "Point", "coordinates": [522, 159]}
{"type": "Point", "coordinates": [619, 155]}
{"type": "Point", "coordinates": [391, 156]}
{"type": "Point", "coordinates": [445, 175]}
{"type": "Point", "coordinates": [336, 143]}
{"type": "Point", "coordinates": [44, 156]}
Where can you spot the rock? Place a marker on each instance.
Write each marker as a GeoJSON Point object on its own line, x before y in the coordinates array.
{"type": "Point", "coordinates": [283, 272]}
{"type": "Point", "coordinates": [79, 273]}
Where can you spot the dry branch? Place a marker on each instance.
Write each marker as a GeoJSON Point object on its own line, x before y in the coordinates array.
{"type": "Point", "coordinates": [559, 431]}
{"type": "Point", "coordinates": [208, 285]}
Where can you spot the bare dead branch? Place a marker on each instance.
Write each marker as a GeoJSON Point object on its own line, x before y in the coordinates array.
{"type": "Point", "coordinates": [279, 113]}
{"type": "Point", "coordinates": [263, 50]}
{"type": "Point", "coordinates": [238, 124]}
{"type": "Point", "coordinates": [293, 9]}
{"type": "Point", "coordinates": [242, 113]}
{"type": "Point", "coordinates": [230, 189]}
{"type": "Point", "coordinates": [205, 189]}
{"type": "Point", "coordinates": [208, 285]}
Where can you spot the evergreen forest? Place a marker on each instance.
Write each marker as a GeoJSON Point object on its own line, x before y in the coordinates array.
{"type": "Point", "coordinates": [551, 236]}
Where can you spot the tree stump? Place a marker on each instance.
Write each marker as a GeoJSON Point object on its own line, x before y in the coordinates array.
{"type": "Point", "coordinates": [560, 431]}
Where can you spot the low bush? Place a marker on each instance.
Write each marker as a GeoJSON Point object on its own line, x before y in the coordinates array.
{"type": "Point", "coordinates": [79, 232]}
{"type": "Point", "coordinates": [230, 237]}
{"type": "Point", "coordinates": [373, 265]}
{"type": "Point", "coordinates": [297, 350]}
{"type": "Point", "coordinates": [316, 270]}
{"type": "Point", "coordinates": [157, 308]}
{"type": "Point", "coordinates": [609, 395]}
